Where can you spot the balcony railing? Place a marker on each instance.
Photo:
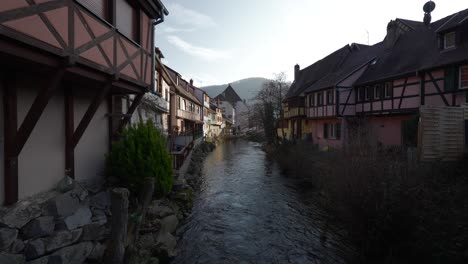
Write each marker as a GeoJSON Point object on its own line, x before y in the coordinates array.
{"type": "Point", "coordinates": [188, 115]}
{"type": "Point", "coordinates": [294, 112]}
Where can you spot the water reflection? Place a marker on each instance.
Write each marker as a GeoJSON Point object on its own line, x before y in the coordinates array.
{"type": "Point", "coordinates": [247, 212]}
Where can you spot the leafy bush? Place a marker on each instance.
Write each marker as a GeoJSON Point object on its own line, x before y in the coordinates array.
{"type": "Point", "coordinates": [141, 152]}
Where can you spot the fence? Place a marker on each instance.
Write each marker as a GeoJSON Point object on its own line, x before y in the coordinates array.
{"type": "Point", "coordinates": [442, 133]}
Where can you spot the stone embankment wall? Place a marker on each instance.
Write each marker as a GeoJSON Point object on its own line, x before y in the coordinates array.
{"type": "Point", "coordinates": [56, 227]}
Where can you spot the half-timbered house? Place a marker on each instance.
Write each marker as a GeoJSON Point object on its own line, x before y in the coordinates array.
{"type": "Point", "coordinates": [422, 65]}
{"type": "Point", "coordinates": [63, 65]}
{"type": "Point", "coordinates": [381, 88]}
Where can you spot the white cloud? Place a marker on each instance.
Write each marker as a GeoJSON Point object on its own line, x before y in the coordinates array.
{"type": "Point", "coordinates": [170, 29]}
{"type": "Point", "coordinates": [185, 19]}
{"type": "Point", "coordinates": [200, 52]}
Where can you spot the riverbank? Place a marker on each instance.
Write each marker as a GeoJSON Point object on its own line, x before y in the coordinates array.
{"type": "Point", "coordinates": [395, 209]}
{"type": "Point", "coordinates": [158, 242]}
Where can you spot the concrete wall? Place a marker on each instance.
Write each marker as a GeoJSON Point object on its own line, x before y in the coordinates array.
{"type": "Point", "coordinates": [94, 144]}
{"type": "Point", "coordinates": [41, 164]}
{"type": "Point", "coordinates": [2, 142]}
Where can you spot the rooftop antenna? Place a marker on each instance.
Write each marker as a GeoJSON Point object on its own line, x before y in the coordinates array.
{"type": "Point", "coordinates": [428, 8]}
{"type": "Point", "coordinates": [368, 37]}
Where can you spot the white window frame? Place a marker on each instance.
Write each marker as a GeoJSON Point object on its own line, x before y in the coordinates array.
{"type": "Point", "coordinates": [388, 93]}
{"type": "Point", "coordinates": [460, 78]}
{"type": "Point", "coordinates": [446, 35]}
{"type": "Point", "coordinates": [377, 88]}
{"type": "Point", "coordinates": [332, 131]}
{"type": "Point", "coordinates": [366, 93]}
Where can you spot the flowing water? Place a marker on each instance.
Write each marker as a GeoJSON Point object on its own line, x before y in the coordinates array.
{"type": "Point", "coordinates": [246, 211]}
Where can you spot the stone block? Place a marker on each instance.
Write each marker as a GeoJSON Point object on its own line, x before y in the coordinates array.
{"type": "Point", "coordinates": [7, 237]}
{"type": "Point", "coordinates": [80, 218]}
{"type": "Point", "coordinates": [39, 227]}
{"type": "Point", "coordinates": [20, 214]}
{"type": "Point", "coordinates": [62, 239]}
{"type": "Point", "coordinates": [62, 205]}
{"type": "Point", "coordinates": [6, 258]}
{"type": "Point", "coordinates": [34, 249]}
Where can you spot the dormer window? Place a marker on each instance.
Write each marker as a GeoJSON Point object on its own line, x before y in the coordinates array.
{"type": "Point", "coordinates": [449, 40]}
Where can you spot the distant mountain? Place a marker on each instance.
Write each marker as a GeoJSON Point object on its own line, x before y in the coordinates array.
{"type": "Point", "coordinates": [246, 88]}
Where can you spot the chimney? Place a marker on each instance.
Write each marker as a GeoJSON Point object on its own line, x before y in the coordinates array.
{"type": "Point", "coordinates": [297, 68]}
{"type": "Point", "coordinates": [191, 82]}
{"type": "Point", "coordinates": [392, 34]}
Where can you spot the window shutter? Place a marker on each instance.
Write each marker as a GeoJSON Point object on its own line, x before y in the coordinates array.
{"type": "Point", "coordinates": [325, 130]}
{"type": "Point", "coordinates": [98, 7]}
{"type": "Point", "coordinates": [338, 130]}
{"type": "Point", "coordinates": [451, 79]}
{"type": "Point", "coordinates": [127, 19]}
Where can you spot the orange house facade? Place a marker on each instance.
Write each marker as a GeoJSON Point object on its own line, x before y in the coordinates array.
{"type": "Point", "coordinates": [63, 65]}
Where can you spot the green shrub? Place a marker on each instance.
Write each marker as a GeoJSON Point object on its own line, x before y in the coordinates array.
{"type": "Point", "coordinates": [141, 152]}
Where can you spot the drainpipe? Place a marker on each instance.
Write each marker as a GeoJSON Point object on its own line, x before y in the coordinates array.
{"type": "Point", "coordinates": [153, 61]}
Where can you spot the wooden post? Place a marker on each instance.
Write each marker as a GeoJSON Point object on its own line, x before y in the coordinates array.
{"type": "Point", "coordinates": [119, 209]}
{"type": "Point", "coordinates": [69, 129]}
{"type": "Point", "coordinates": [144, 200]}
{"type": "Point", "coordinates": [10, 126]}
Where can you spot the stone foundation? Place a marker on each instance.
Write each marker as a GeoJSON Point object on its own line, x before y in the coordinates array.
{"type": "Point", "coordinates": [56, 227]}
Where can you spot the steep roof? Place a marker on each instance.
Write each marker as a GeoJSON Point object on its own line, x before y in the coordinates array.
{"type": "Point", "coordinates": [416, 50]}
{"type": "Point", "coordinates": [183, 87]}
{"type": "Point", "coordinates": [359, 56]}
{"type": "Point", "coordinates": [453, 21]}
{"type": "Point", "coordinates": [313, 73]}
{"type": "Point", "coordinates": [229, 95]}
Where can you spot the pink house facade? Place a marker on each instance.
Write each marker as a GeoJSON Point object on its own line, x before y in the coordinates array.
{"type": "Point", "coordinates": [384, 85]}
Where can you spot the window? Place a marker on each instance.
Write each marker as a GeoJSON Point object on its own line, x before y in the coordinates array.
{"type": "Point", "coordinates": [366, 93]}
{"type": "Point", "coordinates": [99, 7]}
{"type": "Point", "coordinates": [330, 97]}
{"type": "Point", "coordinates": [360, 92]}
{"type": "Point", "coordinates": [311, 99]}
{"type": "Point", "coordinates": [127, 19]}
{"type": "Point", "coordinates": [180, 103]}
{"type": "Point", "coordinates": [167, 95]}
{"type": "Point", "coordinates": [464, 77]}
{"type": "Point", "coordinates": [377, 91]}
{"type": "Point", "coordinates": [388, 93]}
{"type": "Point", "coordinates": [319, 99]}
{"type": "Point", "coordinates": [332, 130]}
{"type": "Point", "coordinates": [449, 40]}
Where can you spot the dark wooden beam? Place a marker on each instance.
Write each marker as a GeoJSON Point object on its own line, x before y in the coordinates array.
{"type": "Point", "coordinates": [69, 130]}
{"type": "Point", "coordinates": [438, 89]}
{"type": "Point", "coordinates": [10, 127]}
{"type": "Point", "coordinates": [403, 93]}
{"type": "Point", "coordinates": [88, 116]}
{"type": "Point", "coordinates": [131, 110]}
{"type": "Point", "coordinates": [37, 108]}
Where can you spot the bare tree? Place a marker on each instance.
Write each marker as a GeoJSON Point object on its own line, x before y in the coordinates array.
{"type": "Point", "coordinates": [269, 105]}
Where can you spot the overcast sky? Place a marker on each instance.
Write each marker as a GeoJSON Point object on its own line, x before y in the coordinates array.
{"type": "Point", "coordinates": [221, 41]}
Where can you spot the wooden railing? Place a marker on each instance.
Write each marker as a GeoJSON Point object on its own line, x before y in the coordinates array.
{"type": "Point", "coordinates": [294, 112]}
{"type": "Point", "coordinates": [188, 115]}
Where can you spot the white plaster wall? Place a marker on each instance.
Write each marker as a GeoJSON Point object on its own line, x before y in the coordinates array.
{"type": "Point", "coordinates": [2, 143]}
{"type": "Point", "coordinates": [94, 144]}
{"type": "Point", "coordinates": [41, 164]}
